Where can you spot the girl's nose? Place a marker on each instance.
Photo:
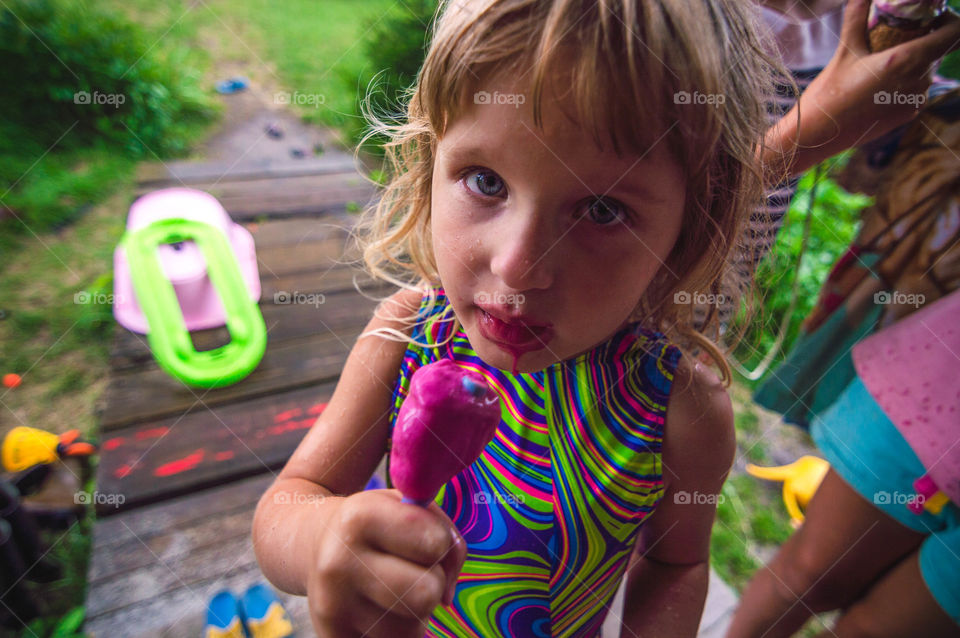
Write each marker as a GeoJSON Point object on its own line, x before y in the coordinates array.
{"type": "Point", "coordinates": [524, 252]}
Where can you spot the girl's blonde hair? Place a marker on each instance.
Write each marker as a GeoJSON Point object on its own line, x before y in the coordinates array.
{"type": "Point", "coordinates": [698, 70]}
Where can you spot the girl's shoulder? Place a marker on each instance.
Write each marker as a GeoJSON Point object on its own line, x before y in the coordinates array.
{"type": "Point", "coordinates": [699, 432]}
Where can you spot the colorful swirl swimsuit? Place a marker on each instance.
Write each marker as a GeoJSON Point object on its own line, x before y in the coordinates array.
{"type": "Point", "coordinates": [551, 509]}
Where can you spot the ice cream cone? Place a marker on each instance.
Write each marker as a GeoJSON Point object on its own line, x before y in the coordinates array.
{"type": "Point", "coordinates": [893, 22]}
{"type": "Point", "coordinates": [883, 36]}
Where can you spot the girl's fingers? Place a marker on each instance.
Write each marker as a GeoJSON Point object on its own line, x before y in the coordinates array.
{"type": "Point", "coordinates": [425, 536]}
{"type": "Point", "coordinates": [944, 39]}
{"type": "Point", "coordinates": [853, 32]}
{"type": "Point", "coordinates": [367, 620]}
{"type": "Point", "coordinates": [401, 587]}
{"type": "Point", "coordinates": [452, 563]}
{"type": "Point", "coordinates": [407, 531]}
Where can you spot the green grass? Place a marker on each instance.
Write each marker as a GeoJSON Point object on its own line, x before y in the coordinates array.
{"type": "Point", "coordinates": [751, 519]}
{"type": "Point", "coordinates": [299, 47]}
{"type": "Point", "coordinates": [315, 47]}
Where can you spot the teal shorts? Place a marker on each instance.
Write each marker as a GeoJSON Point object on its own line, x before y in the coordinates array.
{"type": "Point", "coordinates": [865, 448]}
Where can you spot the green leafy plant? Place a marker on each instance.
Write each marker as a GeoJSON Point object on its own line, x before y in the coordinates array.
{"type": "Point", "coordinates": [87, 93]}
{"type": "Point", "coordinates": [834, 222]}
{"type": "Point", "coordinates": [70, 65]}
{"type": "Point", "coordinates": [394, 48]}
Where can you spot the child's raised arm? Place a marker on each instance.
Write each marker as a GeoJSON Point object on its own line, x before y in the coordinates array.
{"type": "Point", "coordinates": [843, 106]}
{"type": "Point", "coordinates": [669, 569]}
{"type": "Point", "coordinates": [367, 562]}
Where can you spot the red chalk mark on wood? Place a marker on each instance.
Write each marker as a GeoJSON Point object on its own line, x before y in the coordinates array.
{"type": "Point", "coordinates": [289, 426]}
{"type": "Point", "coordinates": [122, 471]}
{"type": "Point", "coordinates": [114, 443]}
{"type": "Point", "coordinates": [286, 415]}
{"type": "Point", "coordinates": [182, 465]}
{"type": "Point", "coordinates": [152, 433]}
{"type": "Point", "coordinates": [223, 456]}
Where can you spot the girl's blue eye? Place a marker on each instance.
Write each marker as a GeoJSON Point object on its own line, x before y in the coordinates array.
{"type": "Point", "coordinates": [484, 182]}
{"type": "Point", "coordinates": [606, 213]}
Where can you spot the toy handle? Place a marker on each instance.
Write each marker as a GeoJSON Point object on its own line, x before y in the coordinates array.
{"type": "Point", "coordinates": [81, 448]}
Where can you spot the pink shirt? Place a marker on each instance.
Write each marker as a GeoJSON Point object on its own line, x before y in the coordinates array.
{"type": "Point", "coordinates": [912, 370]}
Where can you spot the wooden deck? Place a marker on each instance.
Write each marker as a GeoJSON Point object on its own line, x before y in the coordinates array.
{"type": "Point", "coordinates": [190, 464]}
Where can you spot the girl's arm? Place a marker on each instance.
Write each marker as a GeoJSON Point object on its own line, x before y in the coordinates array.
{"type": "Point", "coordinates": [858, 96]}
{"type": "Point", "coordinates": [337, 456]}
{"type": "Point", "coordinates": [669, 569]}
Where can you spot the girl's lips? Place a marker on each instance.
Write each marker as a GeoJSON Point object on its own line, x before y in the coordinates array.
{"type": "Point", "coordinates": [514, 335]}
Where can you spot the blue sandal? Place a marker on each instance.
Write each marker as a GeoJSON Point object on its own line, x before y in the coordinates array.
{"type": "Point", "coordinates": [264, 615]}
{"type": "Point", "coordinates": [223, 617]}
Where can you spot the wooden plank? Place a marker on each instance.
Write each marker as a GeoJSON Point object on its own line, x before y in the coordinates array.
{"type": "Point", "coordinates": [280, 232]}
{"type": "Point", "coordinates": [318, 183]}
{"type": "Point", "coordinates": [154, 520]}
{"type": "Point", "coordinates": [326, 281]}
{"type": "Point", "coordinates": [150, 393]}
{"type": "Point", "coordinates": [163, 458]}
{"type": "Point", "coordinates": [158, 174]}
{"type": "Point", "coordinates": [284, 259]}
{"type": "Point", "coordinates": [174, 546]}
{"type": "Point", "coordinates": [288, 204]}
{"type": "Point", "coordinates": [340, 309]}
{"type": "Point", "coordinates": [180, 612]}
{"type": "Point", "coordinates": [308, 195]}
{"type": "Point", "coordinates": [161, 578]}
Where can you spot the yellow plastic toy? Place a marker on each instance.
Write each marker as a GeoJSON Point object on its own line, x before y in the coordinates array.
{"type": "Point", "coordinates": [24, 447]}
{"type": "Point", "coordinates": [800, 482]}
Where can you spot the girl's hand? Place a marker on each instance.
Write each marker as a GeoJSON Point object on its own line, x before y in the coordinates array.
{"type": "Point", "coordinates": [860, 95]}
{"type": "Point", "coordinates": [381, 567]}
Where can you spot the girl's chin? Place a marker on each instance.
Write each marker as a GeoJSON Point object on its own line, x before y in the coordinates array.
{"type": "Point", "coordinates": [500, 357]}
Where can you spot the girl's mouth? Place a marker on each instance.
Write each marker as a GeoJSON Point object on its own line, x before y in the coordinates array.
{"type": "Point", "coordinates": [514, 336]}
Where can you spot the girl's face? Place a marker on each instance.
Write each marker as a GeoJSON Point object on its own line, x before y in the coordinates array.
{"type": "Point", "coordinates": [545, 244]}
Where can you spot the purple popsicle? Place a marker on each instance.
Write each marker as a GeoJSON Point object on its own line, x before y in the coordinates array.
{"type": "Point", "coordinates": [448, 417]}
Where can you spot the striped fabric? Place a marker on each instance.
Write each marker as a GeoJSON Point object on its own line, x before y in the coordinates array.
{"type": "Point", "coordinates": [551, 509]}
{"type": "Point", "coordinates": [765, 221]}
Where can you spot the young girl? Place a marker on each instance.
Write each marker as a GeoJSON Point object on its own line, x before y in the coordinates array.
{"type": "Point", "coordinates": [569, 180]}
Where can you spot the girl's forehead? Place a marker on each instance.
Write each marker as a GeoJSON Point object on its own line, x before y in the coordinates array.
{"type": "Point", "coordinates": [501, 102]}
{"type": "Point", "coordinates": [498, 117]}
